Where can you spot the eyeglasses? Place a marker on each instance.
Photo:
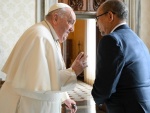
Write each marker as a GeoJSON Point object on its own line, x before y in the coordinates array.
{"type": "Point", "coordinates": [101, 15]}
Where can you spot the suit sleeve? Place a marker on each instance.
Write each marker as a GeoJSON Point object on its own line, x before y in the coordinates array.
{"type": "Point", "coordinates": [109, 65]}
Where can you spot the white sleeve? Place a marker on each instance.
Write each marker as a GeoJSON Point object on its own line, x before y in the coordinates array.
{"type": "Point", "coordinates": [65, 96]}
{"type": "Point", "coordinates": [68, 79]}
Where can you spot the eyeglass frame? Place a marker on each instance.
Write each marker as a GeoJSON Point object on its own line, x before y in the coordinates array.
{"type": "Point", "coordinates": [100, 15]}
{"type": "Point", "coordinates": [103, 14]}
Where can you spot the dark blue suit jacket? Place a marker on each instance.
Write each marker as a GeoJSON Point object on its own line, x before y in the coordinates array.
{"type": "Point", "coordinates": [122, 73]}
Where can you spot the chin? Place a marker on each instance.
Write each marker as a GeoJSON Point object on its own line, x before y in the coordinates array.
{"type": "Point", "coordinates": [102, 33]}
{"type": "Point", "coordinates": [65, 38]}
{"type": "Point", "coordinates": [61, 41]}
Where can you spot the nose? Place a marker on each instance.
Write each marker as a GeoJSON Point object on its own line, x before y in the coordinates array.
{"type": "Point", "coordinates": [71, 28]}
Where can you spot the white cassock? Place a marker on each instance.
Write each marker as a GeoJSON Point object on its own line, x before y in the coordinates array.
{"type": "Point", "coordinates": [36, 74]}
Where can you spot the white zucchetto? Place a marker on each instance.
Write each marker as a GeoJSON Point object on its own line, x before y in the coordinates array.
{"type": "Point", "coordinates": [58, 6]}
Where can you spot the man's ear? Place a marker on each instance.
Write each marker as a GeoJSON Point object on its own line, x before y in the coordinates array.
{"type": "Point", "coordinates": [111, 16]}
{"type": "Point", "coordinates": [55, 18]}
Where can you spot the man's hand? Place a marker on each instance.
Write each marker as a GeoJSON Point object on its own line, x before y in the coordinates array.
{"type": "Point", "coordinates": [80, 63]}
{"type": "Point", "coordinates": [71, 104]}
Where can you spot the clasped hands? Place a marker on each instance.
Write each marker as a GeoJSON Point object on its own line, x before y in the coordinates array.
{"type": "Point", "coordinates": [80, 63]}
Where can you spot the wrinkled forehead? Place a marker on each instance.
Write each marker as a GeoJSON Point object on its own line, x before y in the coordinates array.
{"type": "Point", "coordinates": [72, 13]}
{"type": "Point", "coordinates": [99, 10]}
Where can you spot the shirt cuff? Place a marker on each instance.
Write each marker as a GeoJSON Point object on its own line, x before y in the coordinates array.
{"type": "Point", "coordinates": [72, 71]}
{"type": "Point", "coordinates": [65, 96]}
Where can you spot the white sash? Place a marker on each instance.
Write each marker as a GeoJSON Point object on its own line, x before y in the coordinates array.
{"type": "Point", "coordinates": [48, 96]}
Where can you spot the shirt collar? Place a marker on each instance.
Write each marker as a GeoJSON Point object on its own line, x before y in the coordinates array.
{"type": "Point", "coordinates": [117, 26]}
{"type": "Point", "coordinates": [52, 31]}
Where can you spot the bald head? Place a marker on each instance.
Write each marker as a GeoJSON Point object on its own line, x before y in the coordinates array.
{"type": "Point", "coordinates": [116, 6]}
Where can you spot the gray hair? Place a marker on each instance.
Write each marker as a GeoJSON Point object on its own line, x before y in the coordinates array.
{"type": "Point", "coordinates": [116, 6]}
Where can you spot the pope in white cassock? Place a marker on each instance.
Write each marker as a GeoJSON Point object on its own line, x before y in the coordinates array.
{"type": "Point", "coordinates": [36, 74]}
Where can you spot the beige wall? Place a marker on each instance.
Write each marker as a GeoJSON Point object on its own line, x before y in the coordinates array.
{"type": "Point", "coordinates": [145, 22]}
{"type": "Point", "coordinates": [15, 17]}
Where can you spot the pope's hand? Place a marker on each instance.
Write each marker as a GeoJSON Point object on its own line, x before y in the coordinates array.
{"type": "Point", "coordinates": [71, 104]}
{"type": "Point", "coordinates": [80, 63]}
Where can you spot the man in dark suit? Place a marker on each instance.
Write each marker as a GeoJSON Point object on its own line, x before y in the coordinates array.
{"type": "Point", "coordinates": [123, 63]}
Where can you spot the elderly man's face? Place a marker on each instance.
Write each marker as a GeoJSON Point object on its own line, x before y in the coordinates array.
{"type": "Point", "coordinates": [66, 25]}
{"type": "Point", "coordinates": [101, 17]}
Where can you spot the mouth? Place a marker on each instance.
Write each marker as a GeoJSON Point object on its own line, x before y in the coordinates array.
{"type": "Point", "coordinates": [68, 32]}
